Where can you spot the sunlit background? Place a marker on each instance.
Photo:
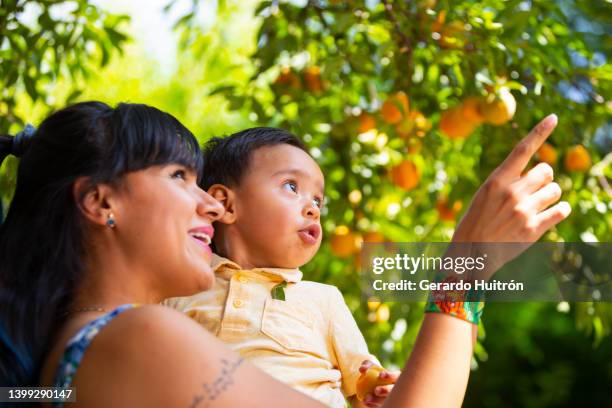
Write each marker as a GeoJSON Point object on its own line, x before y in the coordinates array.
{"type": "Point", "coordinates": [407, 107]}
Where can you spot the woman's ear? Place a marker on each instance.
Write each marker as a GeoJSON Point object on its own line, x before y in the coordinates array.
{"type": "Point", "coordinates": [226, 197]}
{"type": "Point", "coordinates": [93, 201]}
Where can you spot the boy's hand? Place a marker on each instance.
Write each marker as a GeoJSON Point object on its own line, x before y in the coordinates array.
{"type": "Point", "coordinates": [374, 384]}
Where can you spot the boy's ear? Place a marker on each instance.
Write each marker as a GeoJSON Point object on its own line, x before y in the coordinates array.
{"type": "Point", "coordinates": [227, 198]}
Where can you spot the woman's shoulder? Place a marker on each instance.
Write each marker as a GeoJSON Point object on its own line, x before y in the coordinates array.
{"type": "Point", "coordinates": [141, 352]}
{"type": "Point", "coordinates": [157, 357]}
{"type": "Point", "coordinates": [155, 323]}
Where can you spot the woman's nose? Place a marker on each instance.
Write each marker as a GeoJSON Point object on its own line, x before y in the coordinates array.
{"type": "Point", "coordinates": [209, 207]}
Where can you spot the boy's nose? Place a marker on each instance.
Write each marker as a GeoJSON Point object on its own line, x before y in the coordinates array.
{"type": "Point", "coordinates": [311, 211]}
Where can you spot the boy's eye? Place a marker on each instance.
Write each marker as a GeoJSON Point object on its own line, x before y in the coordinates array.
{"type": "Point", "coordinates": [290, 185]}
{"type": "Point", "coordinates": [317, 202]}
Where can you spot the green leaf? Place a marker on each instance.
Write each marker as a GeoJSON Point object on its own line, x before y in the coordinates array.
{"type": "Point", "coordinates": [30, 86]}
{"type": "Point", "coordinates": [224, 89]}
{"type": "Point", "coordinates": [278, 291]}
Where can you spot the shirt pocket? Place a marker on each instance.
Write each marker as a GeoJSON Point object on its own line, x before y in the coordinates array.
{"type": "Point", "coordinates": [291, 326]}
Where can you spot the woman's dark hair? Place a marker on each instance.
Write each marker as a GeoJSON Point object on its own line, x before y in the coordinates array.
{"type": "Point", "coordinates": [227, 158]}
{"type": "Point", "coordinates": [42, 240]}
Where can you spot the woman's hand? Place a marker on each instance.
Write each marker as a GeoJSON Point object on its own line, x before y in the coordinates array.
{"type": "Point", "coordinates": [511, 206]}
{"type": "Point", "coordinates": [515, 207]}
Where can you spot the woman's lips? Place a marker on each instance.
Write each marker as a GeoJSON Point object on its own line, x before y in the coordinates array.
{"type": "Point", "coordinates": [203, 244]}
{"type": "Point", "coordinates": [203, 235]}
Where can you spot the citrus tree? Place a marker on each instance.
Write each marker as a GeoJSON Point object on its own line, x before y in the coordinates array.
{"type": "Point", "coordinates": [41, 43]}
{"type": "Point", "coordinates": [408, 106]}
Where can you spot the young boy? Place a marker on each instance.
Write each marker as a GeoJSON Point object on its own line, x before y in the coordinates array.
{"type": "Point", "coordinates": [300, 332]}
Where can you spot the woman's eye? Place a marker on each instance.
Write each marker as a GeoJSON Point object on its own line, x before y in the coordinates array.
{"type": "Point", "coordinates": [182, 174]}
{"type": "Point", "coordinates": [290, 185]}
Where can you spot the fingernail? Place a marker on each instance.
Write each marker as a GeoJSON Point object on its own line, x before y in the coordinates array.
{"type": "Point", "coordinates": [565, 208]}
{"type": "Point", "coordinates": [551, 120]}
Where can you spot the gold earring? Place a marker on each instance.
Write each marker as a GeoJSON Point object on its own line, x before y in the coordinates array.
{"type": "Point", "coordinates": [110, 221]}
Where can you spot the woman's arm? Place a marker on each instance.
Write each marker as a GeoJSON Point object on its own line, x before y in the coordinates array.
{"type": "Point", "coordinates": [509, 207]}
{"type": "Point", "coordinates": [437, 371]}
{"type": "Point", "coordinates": [157, 357]}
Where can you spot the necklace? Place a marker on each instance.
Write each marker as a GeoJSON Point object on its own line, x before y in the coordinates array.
{"type": "Point", "coordinates": [89, 309]}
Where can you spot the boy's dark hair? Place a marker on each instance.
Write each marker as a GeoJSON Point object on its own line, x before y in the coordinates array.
{"type": "Point", "coordinates": [227, 158]}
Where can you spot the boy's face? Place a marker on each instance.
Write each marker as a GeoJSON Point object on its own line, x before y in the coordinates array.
{"type": "Point", "coordinates": [277, 208]}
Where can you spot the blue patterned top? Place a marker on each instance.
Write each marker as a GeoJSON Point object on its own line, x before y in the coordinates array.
{"type": "Point", "coordinates": [77, 345]}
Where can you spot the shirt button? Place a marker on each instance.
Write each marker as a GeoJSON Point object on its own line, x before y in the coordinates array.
{"type": "Point", "coordinates": [238, 303]}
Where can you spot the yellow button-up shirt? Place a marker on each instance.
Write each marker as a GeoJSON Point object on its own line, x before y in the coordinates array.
{"type": "Point", "coordinates": [309, 341]}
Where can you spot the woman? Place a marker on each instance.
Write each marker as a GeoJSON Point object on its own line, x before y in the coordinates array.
{"type": "Point", "coordinates": [107, 213]}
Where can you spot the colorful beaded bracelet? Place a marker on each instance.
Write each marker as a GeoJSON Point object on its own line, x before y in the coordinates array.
{"type": "Point", "coordinates": [466, 305]}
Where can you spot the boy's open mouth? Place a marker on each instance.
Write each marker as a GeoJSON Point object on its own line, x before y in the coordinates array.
{"type": "Point", "coordinates": [310, 234]}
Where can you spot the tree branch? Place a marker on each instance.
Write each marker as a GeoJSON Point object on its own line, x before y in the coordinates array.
{"type": "Point", "coordinates": [405, 42]}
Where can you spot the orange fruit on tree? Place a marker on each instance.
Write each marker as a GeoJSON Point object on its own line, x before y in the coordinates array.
{"type": "Point", "coordinates": [284, 76]}
{"type": "Point", "coordinates": [373, 236]}
{"type": "Point", "coordinates": [455, 125]}
{"type": "Point", "coordinates": [373, 304]}
{"type": "Point", "coordinates": [404, 128]}
{"type": "Point", "coordinates": [448, 212]}
{"type": "Point", "coordinates": [499, 108]}
{"type": "Point", "coordinates": [471, 109]}
{"type": "Point", "coordinates": [420, 121]}
{"type": "Point", "coordinates": [547, 154]}
{"type": "Point", "coordinates": [405, 175]}
{"type": "Point", "coordinates": [452, 35]}
{"type": "Point", "coordinates": [577, 159]}
{"type": "Point", "coordinates": [415, 123]}
{"type": "Point", "coordinates": [438, 23]}
{"type": "Point", "coordinates": [366, 122]}
{"type": "Point", "coordinates": [414, 146]}
{"type": "Point", "coordinates": [288, 78]}
{"type": "Point", "coordinates": [312, 78]}
{"type": "Point", "coordinates": [368, 381]}
{"type": "Point", "coordinates": [395, 108]}
{"type": "Point", "coordinates": [382, 313]}
{"type": "Point", "coordinates": [427, 4]}
{"type": "Point", "coordinates": [344, 242]}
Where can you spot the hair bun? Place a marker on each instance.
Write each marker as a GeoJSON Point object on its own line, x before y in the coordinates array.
{"type": "Point", "coordinates": [22, 140]}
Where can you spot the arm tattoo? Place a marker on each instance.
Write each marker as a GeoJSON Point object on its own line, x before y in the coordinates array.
{"type": "Point", "coordinates": [212, 391]}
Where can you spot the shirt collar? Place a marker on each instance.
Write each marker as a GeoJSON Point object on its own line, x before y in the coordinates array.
{"type": "Point", "coordinates": [221, 265]}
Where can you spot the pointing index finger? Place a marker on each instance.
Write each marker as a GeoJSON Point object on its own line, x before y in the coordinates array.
{"type": "Point", "coordinates": [518, 159]}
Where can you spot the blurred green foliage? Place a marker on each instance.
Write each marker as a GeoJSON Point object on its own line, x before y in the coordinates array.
{"type": "Point", "coordinates": [314, 67]}
{"type": "Point", "coordinates": [40, 43]}
{"type": "Point", "coordinates": [44, 40]}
